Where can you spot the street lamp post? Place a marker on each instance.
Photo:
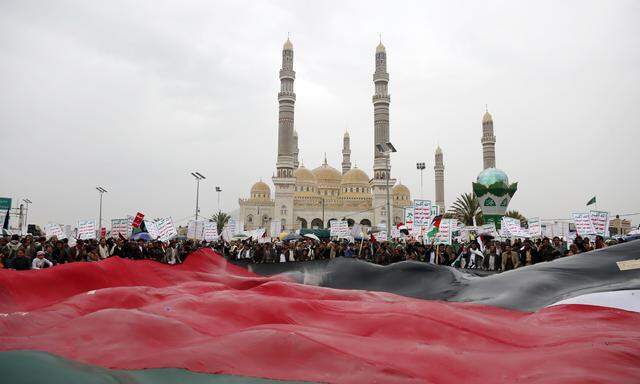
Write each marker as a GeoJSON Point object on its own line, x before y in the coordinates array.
{"type": "Point", "coordinates": [26, 215]}
{"type": "Point", "coordinates": [198, 177]}
{"type": "Point", "coordinates": [218, 189]}
{"type": "Point", "coordinates": [101, 191]}
{"type": "Point", "coordinates": [421, 167]}
{"type": "Point", "coordinates": [387, 149]}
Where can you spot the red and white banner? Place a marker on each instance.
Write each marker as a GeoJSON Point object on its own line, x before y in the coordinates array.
{"type": "Point", "coordinates": [138, 220]}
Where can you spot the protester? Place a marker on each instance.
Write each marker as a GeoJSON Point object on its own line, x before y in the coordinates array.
{"type": "Point", "coordinates": [40, 261]}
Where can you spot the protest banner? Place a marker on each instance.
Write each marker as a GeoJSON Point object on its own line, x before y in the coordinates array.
{"type": "Point", "coordinates": [422, 213]}
{"type": "Point", "coordinates": [166, 229]}
{"type": "Point", "coordinates": [121, 227]}
{"type": "Point", "coordinates": [489, 229]}
{"type": "Point", "coordinates": [339, 228]}
{"type": "Point", "coordinates": [137, 221]}
{"type": "Point", "coordinates": [535, 227]}
{"type": "Point", "coordinates": [443, 236]}
{"type": "Point", "coordinates": [395, 233]}
{"type": "Point", "coordinates": [234, 227]}
{"type": "Point", "coordinates": [258, 234]}
{"type": "Point", "coordinates": [512, 227]}
{"type": "Point", "coordinates": [408, 218]}
{"type": "Point", "coordinates": [380, 236]}
{"type": "Point", "coordinates": [599, 222]}
{"type": "Point", "coordinates": [52, 229]}
{"type": "Point", "coordinates": [152, 229]}
{"type": "Point", "coordinates": [274, 228]}
{"type": "Point", "coordinates": [582, 221]}
{"type": "Point", "coordinates": [86, 229]}
{"type": "Point", "coordinates": [210, 231]}
{"type": "Point", "coordinates": [356, 231]}
{"type": "Point", "coordinates": [195, 229]}
{"type": "Point", "coordinates": [3, 218]}
{"type": "Point", "coordinates": [435, 210]}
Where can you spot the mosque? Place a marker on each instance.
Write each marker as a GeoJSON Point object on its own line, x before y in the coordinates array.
{"type": "Point", "coordinates": [312, 198]}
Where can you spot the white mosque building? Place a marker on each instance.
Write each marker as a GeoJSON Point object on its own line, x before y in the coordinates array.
{"type": "Point", "coordinates": [311, 198]}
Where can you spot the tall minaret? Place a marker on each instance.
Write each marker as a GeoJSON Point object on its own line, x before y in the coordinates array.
{"type": "Point", "coordinates": [296, 149]}
{"type": "Point", "coordinates": [488, 141]}
{"type": "Point", "coordinates": [284, 181]}
{"type": "Point", "coordinates": [346, 153]}
{"type": "Point", "coordinates": [381, 100]}
{"type": "Point", "coordinates": [439, 173]}
{"type": "Point", "coordinates": [287, 100]}
{"type": "Point", "coordinates": [381, 167]}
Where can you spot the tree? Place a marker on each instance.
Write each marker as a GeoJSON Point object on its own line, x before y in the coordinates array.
{"type": "Point", "coordinates": [465, 208]}
{"type": "Point", "coordinates": [220, 219]}
{"type": "Point", "coordinates": [517, 215]}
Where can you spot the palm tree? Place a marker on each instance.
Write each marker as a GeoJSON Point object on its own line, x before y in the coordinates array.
{"type": "Point", "coordinates": [517, 215]}
{"type": "Point", "coordinates": [465, 208]}
{"type": "Point", "coordinates": [220, 219]}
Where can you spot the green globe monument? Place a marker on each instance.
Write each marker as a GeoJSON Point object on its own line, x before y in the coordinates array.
{"type": "Point", "coordinates": [493, 191]}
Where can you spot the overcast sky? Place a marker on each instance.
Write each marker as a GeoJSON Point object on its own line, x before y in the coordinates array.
{"type": "Point", "coordinates": [135, 95]}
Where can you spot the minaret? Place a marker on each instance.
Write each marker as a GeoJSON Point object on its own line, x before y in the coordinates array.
{"type": "Point", "coordinates": [284, 181]}
{"type": "Point", "coordinates": [439, 177]}
{"type": "Point", "coordinates": [287, 100]}
{"type": "Point", "coordinates": [488, 142]}
{"type": "Point", "coordinates": [381, 166]}
{"type": "Point", "coordinates": [296, 149]}
{"type": "Point", "coordinates": [381, 100]}
{"type": "Point", "coordinates": [346, 153]}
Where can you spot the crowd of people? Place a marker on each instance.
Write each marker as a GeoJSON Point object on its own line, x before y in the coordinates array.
{"type": "Point", "coordinates": [29, 252]}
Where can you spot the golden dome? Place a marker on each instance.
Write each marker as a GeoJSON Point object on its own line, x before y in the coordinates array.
{"type": "Point", "coordinates": [380, 48]}
{"type": "Point", "coordinates": [400, 190]}
{"type": "Point", "coordinates": [303, 175]}
{"type": "Point", "coordinates": [326, 174]}
{"type": "Point", "coordinates": [287, 45]}
{"type": "Point", "coordinates": [260, 190]}
{"type": "Point", "coordinates": [355, 176]}
{"type": "Point", "coordinates": [487, 118]}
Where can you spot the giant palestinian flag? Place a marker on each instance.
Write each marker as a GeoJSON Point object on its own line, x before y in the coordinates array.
{"type": "Point", "coordinates": [573, 320]}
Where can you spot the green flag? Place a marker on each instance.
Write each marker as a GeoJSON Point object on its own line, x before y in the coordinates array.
{"type": "Point", "coordinates": [592, 201]}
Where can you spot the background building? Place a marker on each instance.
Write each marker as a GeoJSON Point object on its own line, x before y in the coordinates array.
{"type": "Point", "coordinates": [311, 198]}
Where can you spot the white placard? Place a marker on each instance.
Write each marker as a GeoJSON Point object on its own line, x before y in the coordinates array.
{"type": "Point", "coordinates": [152, 229]}
{"type": "Point", "coordinates": [535, 227]}
{"type": "Point", "coordinates": [258, 234]}
{"type": "Point", "coordinates": [489, 229]}
{"type": "Point", "coordinates": [408, 218]}
{"type": "Point", "coordinates": [195, 230]}
{"type": "Point", "coordinates": [422, 213]}
{"type": "Point", "coordinates": [395, 233]}
{"type": "Point", "coordinates": [512, 227]}
{"type": "Point", "coordinates": [599, 222]}
{"type": "Point", "coordinates": [211, 231]}
{"type": "Point", "coordinates": [86, 229]}
{"type": "Point", "coordinates": [339, 228]}
{"type": "Point", "coordinates": [443, 236]}
{"type": "Point", "coordinates": [121, 227]}
{"type": "Point", "coordinates": [380, 236]}
{"type": "Point", "coordinates": [274, 228]}
{"type": "Point", "coordinates": [52, 229]}
{"type": "Point", "coordinates": [583, 223]}
{"type": "Point", "coordinates": [166, 229]}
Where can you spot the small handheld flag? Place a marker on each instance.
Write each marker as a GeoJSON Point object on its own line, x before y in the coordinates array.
{"type": "Point", "coordinates": [591, 201]}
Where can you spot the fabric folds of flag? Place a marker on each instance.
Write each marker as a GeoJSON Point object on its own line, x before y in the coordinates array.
{"type": "Point", "coordinates": [591, 201]}
{"type": "Point", "coordinates": [147, 320]}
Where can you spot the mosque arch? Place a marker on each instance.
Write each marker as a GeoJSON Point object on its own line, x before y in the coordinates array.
{"type": "Point", "coordinates": [303, 223]}
{"type": "Point", "coordinates": [365, 222]}
{"type": "Point", "coordinates": [317, 223]}
{"type": "Point", "coordinates": [350, 222]}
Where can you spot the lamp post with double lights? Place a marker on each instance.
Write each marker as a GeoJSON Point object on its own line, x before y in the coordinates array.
{"type": "Point", "coordinates": [421, 167]}
{"type": "Point", "coordinates": [198, 176]}
{"type": "Point", "coordinates": [387, 149]}
{"type": "Point", "coordinates": [101, 191]}
{"type": "Point", "coordinates": [218, 190]}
